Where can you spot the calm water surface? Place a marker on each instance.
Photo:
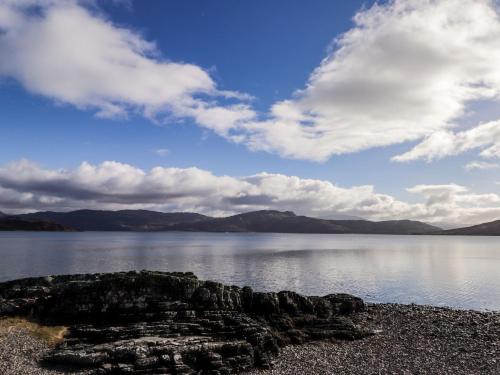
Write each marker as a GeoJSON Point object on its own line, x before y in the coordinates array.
{"type": "Point", "coordinates": [461, 272]}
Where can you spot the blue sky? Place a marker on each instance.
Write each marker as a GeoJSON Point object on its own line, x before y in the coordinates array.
{"type": "Point", "coordinates": [254, 48]}
{"type": "Point", "coordinates": [266, 50]}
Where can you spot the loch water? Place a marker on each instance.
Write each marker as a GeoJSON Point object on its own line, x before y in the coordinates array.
{"type": "Point", "coordinates": [456, 271]}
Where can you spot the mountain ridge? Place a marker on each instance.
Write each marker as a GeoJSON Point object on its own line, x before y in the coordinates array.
{"type": "Point", "coordinates": [271, 221]}
{"type": "Point", "coordinates": [491, 228]}
{"type": "Point", "coordinates": [265, 221]}
{"type": "Point", "coordinates": [121, 220]}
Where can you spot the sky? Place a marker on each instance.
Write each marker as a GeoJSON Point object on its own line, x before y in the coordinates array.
{"type": "Point", "coordinates": [382, 110]}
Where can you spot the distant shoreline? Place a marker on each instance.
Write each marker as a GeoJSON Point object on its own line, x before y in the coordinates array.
{"type": "Point", "coordinates": [247, 232]}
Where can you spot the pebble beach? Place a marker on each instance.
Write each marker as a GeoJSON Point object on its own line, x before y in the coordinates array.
{"type": "Point", "coordinates": [409, 339]}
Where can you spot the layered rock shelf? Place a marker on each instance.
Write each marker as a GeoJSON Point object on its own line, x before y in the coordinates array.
{"type": "Point", "coordinates": [173, 323]}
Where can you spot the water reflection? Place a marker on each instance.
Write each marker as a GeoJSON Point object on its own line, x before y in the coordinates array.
{"type": "Point", "coordinates": [453, 271]}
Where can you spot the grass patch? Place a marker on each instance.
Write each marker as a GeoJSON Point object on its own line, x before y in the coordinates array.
{"type": "Point", "coordinates": [50, 334]}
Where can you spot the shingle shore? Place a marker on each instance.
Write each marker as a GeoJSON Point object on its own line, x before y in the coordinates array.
{"type": "Point", "coordinates": [20, 353]}
{"type": "Point", "coordinates": [411, 339]}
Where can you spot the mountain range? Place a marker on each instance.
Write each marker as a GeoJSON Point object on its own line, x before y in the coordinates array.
{"type": "Point", "coordinates": [485, 229]}
{"type": "Point", "coordinates": [267, 221]}
{"type": "Point", "coordinates": [256, 221]}
{"type": "Point", "coordinates": [124, 220]}
{"type": "Point", "coordinates": [288, 222]}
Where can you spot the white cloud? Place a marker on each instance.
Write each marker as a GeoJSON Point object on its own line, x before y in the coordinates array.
{"type": "Point", "coordinates": [408, 70]}
{"type": "Point", "coordinates": [480, 165]}
{"type": "Point", "coordinates": [438, 194]}
{"type": "Point", "coordinates": [25, 186]}
{"type": "Point", "coordinates": [455, 205]}
{"type": "Point", "coordinates": [485, 137]}
{"type": "Point", "coordinates": [73, 54]}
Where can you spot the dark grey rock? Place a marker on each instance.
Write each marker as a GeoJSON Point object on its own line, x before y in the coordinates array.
{"type": "Point", "coordinates": [172, 323]}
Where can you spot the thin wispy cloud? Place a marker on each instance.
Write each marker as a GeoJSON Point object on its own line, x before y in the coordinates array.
{"type": "Point", "coordinates": [161, 152]}
{"type": "Point", "coordinates": [480, 165]}
{"type": "Point", "coordinates": [484, 137]}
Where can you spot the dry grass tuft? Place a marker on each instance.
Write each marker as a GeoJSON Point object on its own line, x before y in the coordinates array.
{"type": "Point", "coordinates": [51, 334]}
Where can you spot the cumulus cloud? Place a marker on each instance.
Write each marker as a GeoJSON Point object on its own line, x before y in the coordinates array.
{"type": "Point", "coordinates": [25, 186]}
{"type": "Point", "coordinates": [454, 204]}
{"type": "Point", "coordinates": [71, 53]}
{"type": "Point", "coordinates": [114, 185]}
{"type": "Point", "coordinates": [407, 70]}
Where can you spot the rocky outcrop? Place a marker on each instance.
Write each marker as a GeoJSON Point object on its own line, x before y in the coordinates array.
{"type": "Point", "coordinates": [173, 323]}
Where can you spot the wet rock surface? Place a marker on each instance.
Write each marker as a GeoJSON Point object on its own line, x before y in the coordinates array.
{"type": "Point", "coordinates": [173, 323]}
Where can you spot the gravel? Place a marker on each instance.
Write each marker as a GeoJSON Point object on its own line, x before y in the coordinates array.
{"type": "Point", "coordinates": [20, 353]}
{"type": "Point", "coordinates": [410, 339]}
